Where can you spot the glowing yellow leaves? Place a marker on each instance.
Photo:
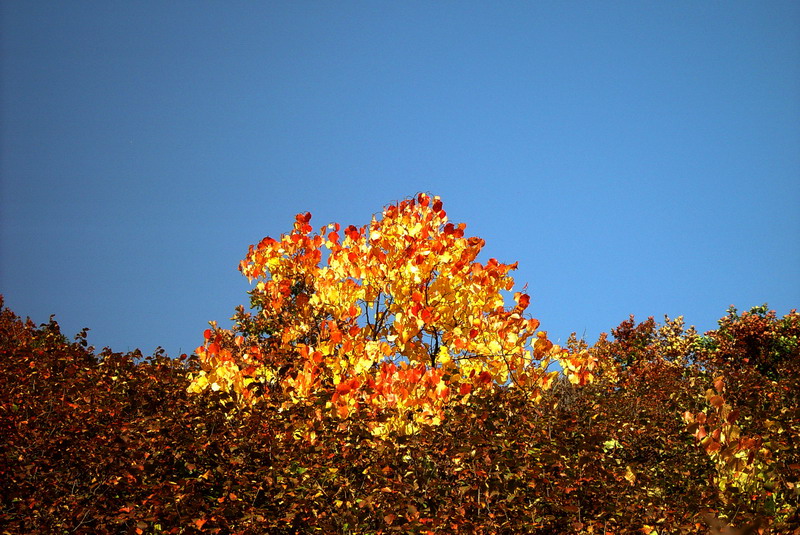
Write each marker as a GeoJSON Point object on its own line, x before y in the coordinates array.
{"type": "Point", "coordinates": [399, 320]}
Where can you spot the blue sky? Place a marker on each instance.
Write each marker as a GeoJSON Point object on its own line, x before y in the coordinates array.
{"type": "Point", "coordinates": [634, 157]}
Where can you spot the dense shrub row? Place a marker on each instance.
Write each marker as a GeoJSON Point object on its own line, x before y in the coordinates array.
{"type": "Point", "coordinates": [112, 443]}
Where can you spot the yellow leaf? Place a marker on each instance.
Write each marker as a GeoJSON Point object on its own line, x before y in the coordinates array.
{"type": "Point", "coordinates": [444, 356]}
{"type": "Point", "coordinates": [198, 384]}
{"type": "Point", "coordinates": [630, 475]}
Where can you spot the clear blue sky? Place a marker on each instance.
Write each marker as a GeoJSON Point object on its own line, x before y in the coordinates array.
{"type": "Point", "coordinates": [634, 157]}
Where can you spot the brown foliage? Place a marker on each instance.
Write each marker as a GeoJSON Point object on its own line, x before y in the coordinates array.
{"type": "Point", "coordinates": [112, 443]}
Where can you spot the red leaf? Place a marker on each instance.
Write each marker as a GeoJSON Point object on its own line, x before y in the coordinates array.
{"type": "Point", "coordinates": [265, 242]}
{"type": "Point", "coordinates": [426, 315]}
{"type": "Point", "coordinates": [352, 232]}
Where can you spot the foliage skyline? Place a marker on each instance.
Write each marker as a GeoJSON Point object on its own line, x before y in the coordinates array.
{"type": "Point", "coordinates": [392, 391]}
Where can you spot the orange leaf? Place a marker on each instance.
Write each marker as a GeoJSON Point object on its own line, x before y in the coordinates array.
{"type": "Point", "coordinates": [523, 300]}
{"type": "Point", "coordinates": [343, 411]}
{"type": "Point", "coordinates": [719, 384]}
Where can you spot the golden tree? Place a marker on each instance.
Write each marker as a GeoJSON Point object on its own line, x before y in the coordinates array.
{"type": "Point", "coordinates": [396, 318]}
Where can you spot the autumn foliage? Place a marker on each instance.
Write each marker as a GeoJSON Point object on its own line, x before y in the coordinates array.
{"type": "Point", "coordinates": [389, 322]}
{"type": "Point", "coordinates": [381, 384]}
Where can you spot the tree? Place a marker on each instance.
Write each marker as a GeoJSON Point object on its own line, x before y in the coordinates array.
{"type": "Point", "coordinates": [399, 320]}
{"type": "Point", "coordinates": [749, 423]}
{"type": "Point", "coordinates": [737, 391]}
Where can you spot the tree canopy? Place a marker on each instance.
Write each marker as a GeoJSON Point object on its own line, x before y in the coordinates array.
{"type": "Point", "coordinates": [392, 321]}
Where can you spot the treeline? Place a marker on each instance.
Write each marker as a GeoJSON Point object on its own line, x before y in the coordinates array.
{"type": "Point", "coordinates": [674, 425]}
